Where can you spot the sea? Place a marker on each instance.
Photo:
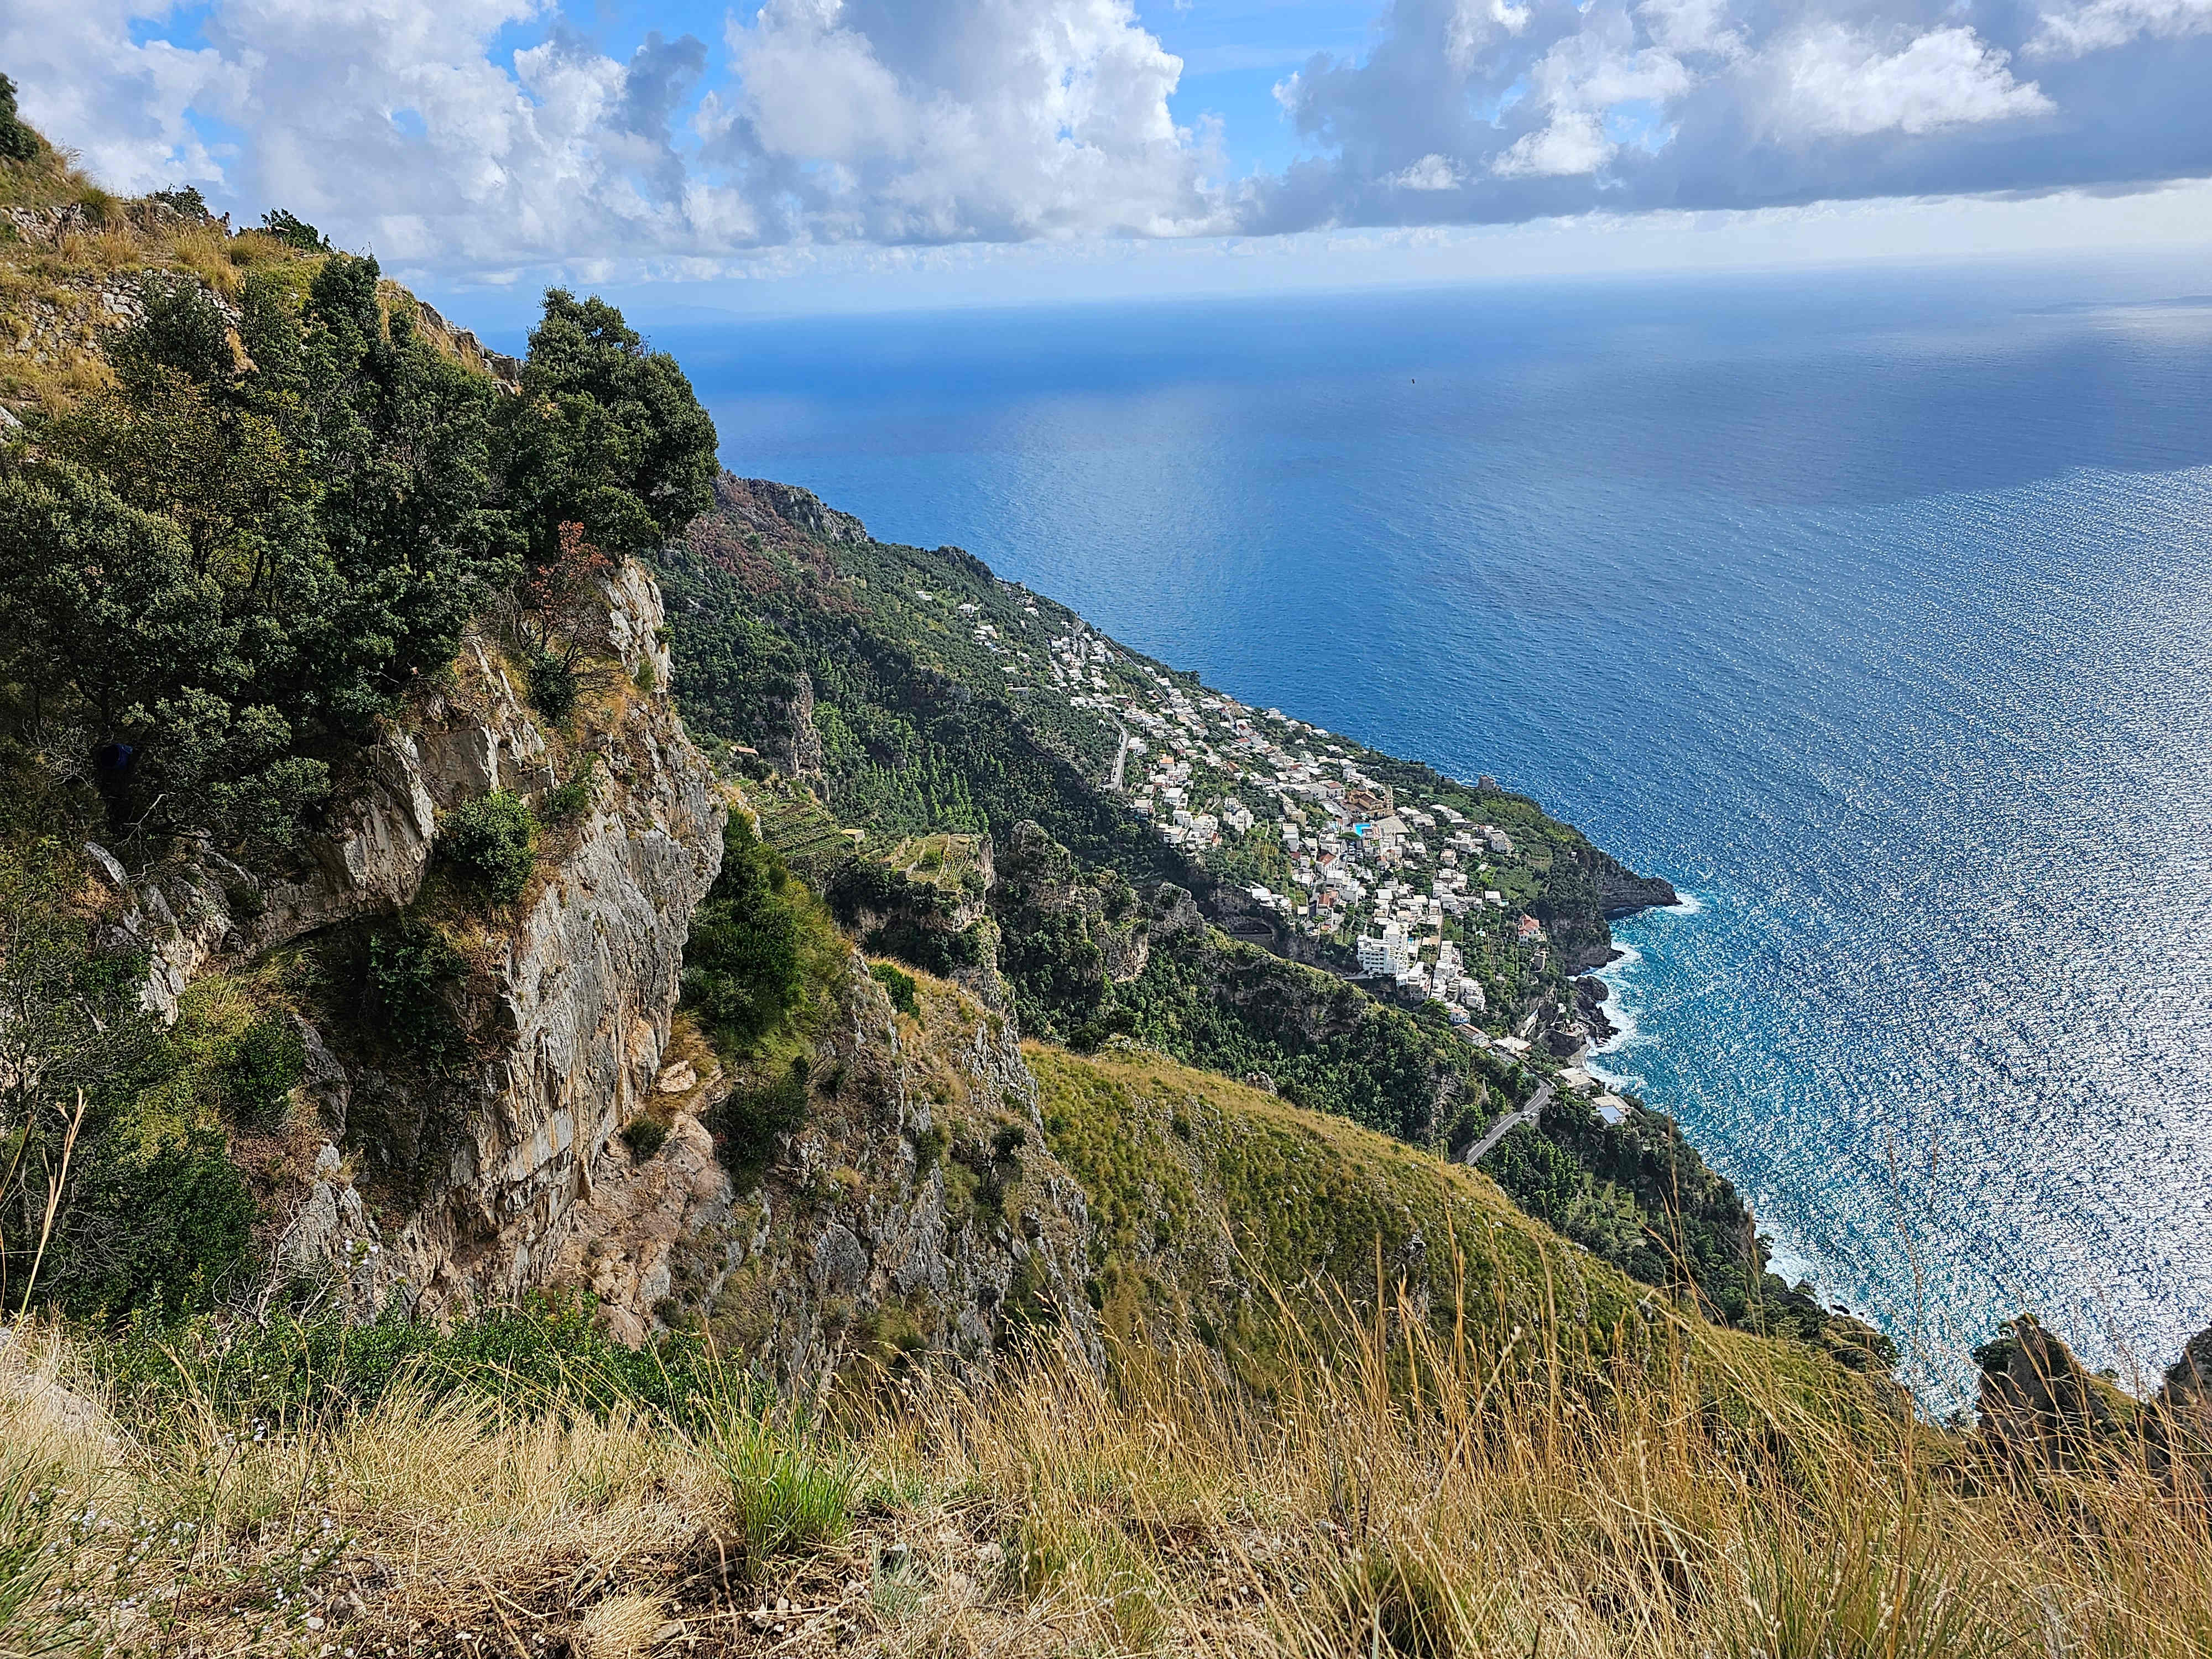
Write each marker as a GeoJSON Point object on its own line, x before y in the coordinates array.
{"type": "Point", "coordinates": [1873, 607]}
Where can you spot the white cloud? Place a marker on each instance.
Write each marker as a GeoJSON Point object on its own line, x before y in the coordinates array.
{"type": "Point", "coordinates": [393, 125]}
{"type": "Point", "coordinates": [2101, 24]}
{"type": "Point", "coordinates": [1689, 27]}
{"type": "Point", "coordinates": [418, 129]}
{"type": "Point", "coordinates": [1015, 118]}
{"type": "Point", "coordinates": [1574, 142]}
{"type": "Point", "coordinates": [1832, 83]}
{"type": "Point", "coordinates": [118, 101]}
{"type": "Point", "coordinates": [1431, 172]}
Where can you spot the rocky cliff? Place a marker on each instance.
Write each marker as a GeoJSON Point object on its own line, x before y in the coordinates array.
{"type": "Point", "coordinates": [914, 1209]}
{"type": "Point", "coordinates": [471, 1174]}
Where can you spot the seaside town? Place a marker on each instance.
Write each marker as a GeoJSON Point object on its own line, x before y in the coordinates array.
{"type": "Point", "coordinates": [1415, 892]}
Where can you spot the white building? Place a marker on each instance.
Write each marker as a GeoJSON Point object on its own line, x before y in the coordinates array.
{"type": "Point", "coordinates": [1390, 952]}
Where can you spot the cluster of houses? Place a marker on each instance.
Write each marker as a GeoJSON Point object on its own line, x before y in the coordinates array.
{"type": "Point", "coordinates": [1364, 863]}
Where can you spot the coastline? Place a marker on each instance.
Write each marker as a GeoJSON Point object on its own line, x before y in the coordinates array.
{"type": "Point", "coordinates": [1625, 1031]}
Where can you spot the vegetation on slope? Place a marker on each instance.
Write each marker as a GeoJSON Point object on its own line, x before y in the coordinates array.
{"type": "Point", "coordinates": [1492, 1487]}
{"type": "Point", "coordinates": [251, 496]}
{"type": "Point", "coordinates": [787, 619]}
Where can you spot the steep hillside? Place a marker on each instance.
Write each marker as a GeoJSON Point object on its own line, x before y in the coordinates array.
{"type": "Point", "coordinates": [349, 840]}
{"type": "Point", "coordinates": [1224, 1214]}
{"type": "Point", "coordinates": [902, 693]}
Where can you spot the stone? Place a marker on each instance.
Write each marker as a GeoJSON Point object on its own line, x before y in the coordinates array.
{"type": "Point", "coordinates": [677, 1078]}
{"type": "Point", "coordinates": [107, 866]}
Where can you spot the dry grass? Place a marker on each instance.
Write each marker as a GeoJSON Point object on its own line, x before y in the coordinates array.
{"type": "Point", "coordinates": [1415, 1495]}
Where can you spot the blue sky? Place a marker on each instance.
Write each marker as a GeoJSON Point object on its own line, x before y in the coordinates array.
{"type": "Point", "coordinates": [792, 152]}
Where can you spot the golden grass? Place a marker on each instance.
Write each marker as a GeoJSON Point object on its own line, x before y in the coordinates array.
{"type": "Point", "coordinates": [1412, 1494]}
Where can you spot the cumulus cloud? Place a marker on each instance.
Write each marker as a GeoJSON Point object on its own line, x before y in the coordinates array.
{"type": "Point", "coordinates": [1837, 84]}
{"type": "Point", "coordinates": [1431, 172]}
{"type": "Point", "coordinates": [2102, 25]}
{"type": "Point", "coordinates": [1558, 106]}
{"type": "Point", "coordinates": [488, 134]}
{"type": "Point", "coordinates": [945, 120]}
{"type": "Point", "coordinates": [399, 125]}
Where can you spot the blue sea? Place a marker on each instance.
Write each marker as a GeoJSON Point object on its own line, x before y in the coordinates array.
{"type": "Point", "coordinates": [1873, 609]}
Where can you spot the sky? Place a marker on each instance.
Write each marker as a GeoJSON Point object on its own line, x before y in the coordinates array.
{"type": "Point", "coordinates": [839, 154]}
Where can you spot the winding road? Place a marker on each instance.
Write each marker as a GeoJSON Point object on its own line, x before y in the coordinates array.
{"type": "Point", "coordinates": [1527, 1113]}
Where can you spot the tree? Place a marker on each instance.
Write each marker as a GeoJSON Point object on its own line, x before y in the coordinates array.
{"type": "Point", "coordinates": [237, 563]}
{"type": "Point", "coordinates": [295, 232]}
{"type": "Point", "coordinates": [553, 614]}
{"type": "Point", "coordinates": [17, 141]}
{"type": "Point", "coordinates": [606, 434]}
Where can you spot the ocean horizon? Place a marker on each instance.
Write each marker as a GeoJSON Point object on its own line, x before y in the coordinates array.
{"type": "Point", "coordinates": [1872, 609]}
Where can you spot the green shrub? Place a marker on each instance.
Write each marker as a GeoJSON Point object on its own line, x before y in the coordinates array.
{"type": "Point", "coordinates": [295, 232]}
{"type": "Point", "coordinates": [169, 1226]}
{"type": "Point", "coordinates": [490, 844]}
{"type": "Point", "coordinates": [748, 1123]}
{"type": "Point", "coordinates": [744, 969]}
{"type": "Point", "coordinates": [17, 141]}
{"type": "Point", "coordinates": [542, 1351]}
{"type": "Point", "coordinates": [412, 968]}
{"type": "Point", "coordinates": [900, 985]}
{"type": "Point", "coordinates": [185, 198]}
{"type": "Point", "coordinates": [265, 1062]}
{"type": "Point", "coordinates": [567, 800]}
{"type": "Point", "coordinates": [552, 685]}
{"type": "Point", "coordinates": [645, 1137]}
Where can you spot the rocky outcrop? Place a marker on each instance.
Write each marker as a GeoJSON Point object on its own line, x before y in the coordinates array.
{"type": "Point", "coordinates": [776, 510]}
{"type": "Point", "coordinates": [488, 1171]}
{"type": "Point", "coordinates": [916, 1213]}
{"type": "Point", "coordinates": [2041, 1407]}
{"type": "Point", "coordinates": [1079, 931]}
{"type": "Point", "coordinates": [790, 742]}
{"type": "Point", "coordinates": [1622, 892]}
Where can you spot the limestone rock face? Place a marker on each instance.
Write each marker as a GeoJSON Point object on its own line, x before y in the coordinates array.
{"type": "Point", "coordinates": [476, 1179]}
{"type": "Point", "coordinates": [916, 1212]}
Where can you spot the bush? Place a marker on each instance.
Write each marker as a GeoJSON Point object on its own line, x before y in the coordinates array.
{"type": "Point", "coordinates": [265, 1062]}
{"type": "Point", "coordinates": [645, 1137]}
{"type": "Point", "coordinates": [900, 985]}
{"type": "Point", "coordinates": [491, 844]}
{"type": "Point", "coordinates": [542, 1351]}
{"type": "Point", "coordinates": [17, 141]}
{"type": "Point", "coordinates": [744, 969]}
{"type": "Point", "coordinates": [295, 232]}
{"type": "Point", "coordinates": [568, 801]}
{"type": "Point", "coordinates": [170, 1227]}
{"type": "Point", "coordinates": [412, 968]}
{"type": "Point", "coordinates": [552, 683]}
{"type": "Point", "coordinates": [747, 1125]}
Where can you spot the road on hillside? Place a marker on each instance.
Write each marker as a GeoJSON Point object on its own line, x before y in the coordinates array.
{"type": "Point", "coordinates": [1527, 1113]}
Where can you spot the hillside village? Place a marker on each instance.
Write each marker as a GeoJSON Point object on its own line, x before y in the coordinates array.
{"type": "Point", "coordinates": [1409, 889]}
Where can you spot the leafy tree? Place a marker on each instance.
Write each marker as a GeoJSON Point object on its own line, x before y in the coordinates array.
{"type": "Point", "coordinates": [295, 232]}
{"type": "Point", "coordinates": [17, 141]}
{"type": "Point", "coordinates": [236, 568]}
{"type": "Point", "coordinates": [744, 969]}
{"type": "Point", "coordinates": [553, 608]}
{"type": "Point", "coordinates": [606, 433]}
